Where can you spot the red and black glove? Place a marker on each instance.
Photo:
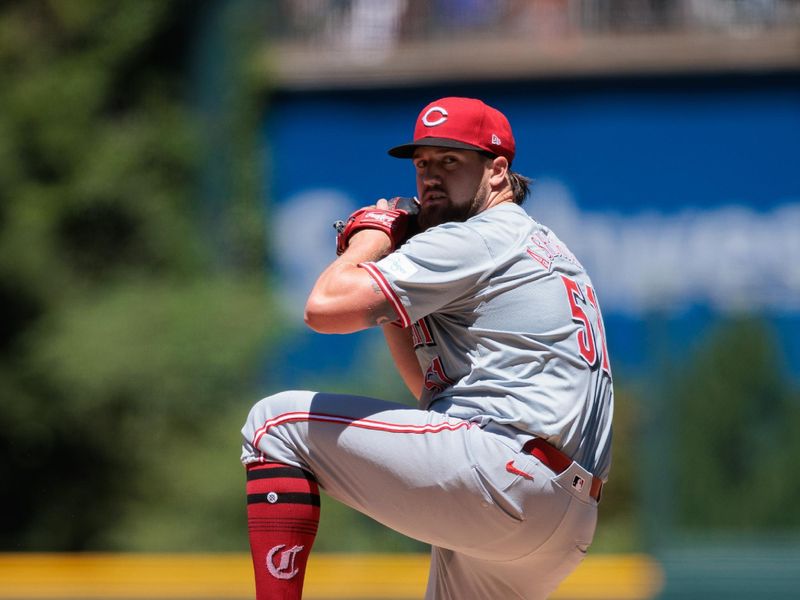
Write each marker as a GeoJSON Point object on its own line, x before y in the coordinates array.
{"type": "Point", "coordinates": [399, 222]}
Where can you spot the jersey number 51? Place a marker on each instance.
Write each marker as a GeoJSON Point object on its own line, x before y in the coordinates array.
{"type": "Point", "coordinates": [588, 336]}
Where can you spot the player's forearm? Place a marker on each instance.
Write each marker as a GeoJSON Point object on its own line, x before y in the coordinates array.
{"type": "Point", "coordinates": [405, 359]}
{"type": "Point", "coordinates": [344, 298]}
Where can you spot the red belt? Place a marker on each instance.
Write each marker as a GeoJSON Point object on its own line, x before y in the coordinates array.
{"type": "Point", "coordinates": [560, 462]}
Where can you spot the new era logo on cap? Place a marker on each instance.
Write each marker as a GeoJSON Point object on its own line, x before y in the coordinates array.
{"type": "Point", "coordinates": [464, 123]}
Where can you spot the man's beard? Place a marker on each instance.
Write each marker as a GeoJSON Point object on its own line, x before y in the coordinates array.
{"type": "Point", "coordinates": [434, 214]}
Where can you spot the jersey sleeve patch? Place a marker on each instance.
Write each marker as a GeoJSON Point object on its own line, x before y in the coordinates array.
{"type": "Point", "coordinates": [434, 269]}
{"type": "Point", "coordinates": [398, 266]}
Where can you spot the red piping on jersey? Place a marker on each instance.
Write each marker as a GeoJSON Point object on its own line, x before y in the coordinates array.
{"type": "Point", "coordinates": [354, 422]}
{"type": "Point", "coordinates": [387, 291]}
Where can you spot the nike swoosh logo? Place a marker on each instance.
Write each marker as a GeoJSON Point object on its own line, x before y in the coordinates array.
{"type": "Point", "coordinates": [512, 469]}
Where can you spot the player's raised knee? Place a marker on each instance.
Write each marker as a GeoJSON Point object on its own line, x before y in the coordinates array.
{"type": "Point", "coordinates": [279, 404]}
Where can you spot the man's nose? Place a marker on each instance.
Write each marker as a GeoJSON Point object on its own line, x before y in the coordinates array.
{"type": "Point", "coordinates": [430, 176]}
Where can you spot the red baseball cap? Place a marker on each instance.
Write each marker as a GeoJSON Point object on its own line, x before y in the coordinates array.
{"type": "Point", "coordinates": [464, 123]}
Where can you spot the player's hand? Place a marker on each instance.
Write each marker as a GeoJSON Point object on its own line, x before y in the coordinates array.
{"type": "Point", "coordinates": [395, 218]}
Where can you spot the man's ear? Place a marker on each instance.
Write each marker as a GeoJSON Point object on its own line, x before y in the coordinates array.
{"type": "Point", "coordinates": [499, 171]}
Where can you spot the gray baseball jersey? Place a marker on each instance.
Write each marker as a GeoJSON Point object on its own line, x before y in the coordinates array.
{"type": "Point", "coordinates": [507, 329]}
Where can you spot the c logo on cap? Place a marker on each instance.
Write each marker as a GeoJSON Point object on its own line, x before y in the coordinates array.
{"type": "Point", "coordinates": [426, 120]}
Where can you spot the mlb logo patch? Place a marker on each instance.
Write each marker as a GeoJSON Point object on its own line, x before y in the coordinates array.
{"type": "Point", "coordinates": [578, 482]}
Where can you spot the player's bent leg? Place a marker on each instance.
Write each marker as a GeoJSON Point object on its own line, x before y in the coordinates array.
{"type": "Point", "coordinates": [386, 460]}
{"type": "Point", "coordinates": [283, 508]}
{"type": "Point", "coordinates": [425, 475]}
{"type": "Point", "coordinates": [267, 435]}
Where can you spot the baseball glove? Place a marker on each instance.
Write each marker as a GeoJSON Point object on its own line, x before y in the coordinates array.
{"type": "Point", "coordinates": [399, 222]}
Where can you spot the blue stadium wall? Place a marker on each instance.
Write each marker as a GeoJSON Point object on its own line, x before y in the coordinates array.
{"type": "Point", "coordinates": [681, 195]}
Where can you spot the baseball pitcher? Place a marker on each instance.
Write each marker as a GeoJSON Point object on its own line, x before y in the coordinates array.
{"type": "Point", "coordinates": [496, 330]}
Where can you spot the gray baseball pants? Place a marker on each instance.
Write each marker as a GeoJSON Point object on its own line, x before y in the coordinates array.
{"type": "Point", "coordinates": [501, 524]}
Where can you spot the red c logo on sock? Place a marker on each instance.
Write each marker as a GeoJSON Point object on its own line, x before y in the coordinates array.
{"type": "Point", "coordinates": [285, 569]}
